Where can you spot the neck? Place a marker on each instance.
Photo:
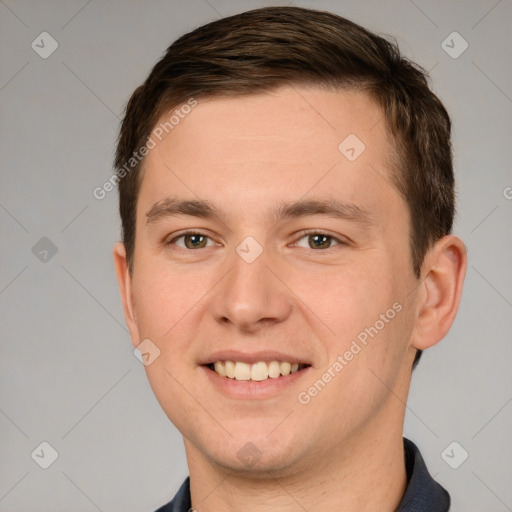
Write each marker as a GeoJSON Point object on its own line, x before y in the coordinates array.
{"type": "Point", "coordinates": [366, 473]}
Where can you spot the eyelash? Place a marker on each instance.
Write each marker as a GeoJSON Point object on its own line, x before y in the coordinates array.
{"type": "Point", "coordinates": [303, 234]}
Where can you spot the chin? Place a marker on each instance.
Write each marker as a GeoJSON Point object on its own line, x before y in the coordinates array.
{"type": "Point", "coordinates": [260, 458]}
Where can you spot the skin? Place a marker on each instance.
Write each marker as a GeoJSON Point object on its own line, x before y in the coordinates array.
{"type": "Point", "coordinates": [343, 450]}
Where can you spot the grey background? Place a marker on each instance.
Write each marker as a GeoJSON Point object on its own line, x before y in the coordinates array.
{"type": "Point", "coordinates": [67, 371]}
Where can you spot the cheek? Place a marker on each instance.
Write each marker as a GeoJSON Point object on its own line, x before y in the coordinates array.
{"type": "Point", "coordinates": [163, 298]}
{"type": "Point", "coordinates": [167, 303]}
{"type": "Point", "coordinates": [347, 298]}
{"type": "Point", "coordinates": [364, 307]}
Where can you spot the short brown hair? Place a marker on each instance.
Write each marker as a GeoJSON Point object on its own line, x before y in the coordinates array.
{"type": "Point", "coordinates": [260, 50]}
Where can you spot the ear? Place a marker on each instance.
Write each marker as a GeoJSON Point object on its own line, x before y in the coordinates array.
{"type": "Point", "coordinates": [124, 280]}
{"type": "Point", "coordinates": [444, 269]}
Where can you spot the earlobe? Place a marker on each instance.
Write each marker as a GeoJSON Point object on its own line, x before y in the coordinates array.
{"type": "Point", "coordinates": [441, 290]}
{"type": "Point", "coordinates": [124, 280]}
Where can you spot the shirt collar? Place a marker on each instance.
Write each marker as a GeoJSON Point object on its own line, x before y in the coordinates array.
{"type": "Point", "coordinates": [423, 493]}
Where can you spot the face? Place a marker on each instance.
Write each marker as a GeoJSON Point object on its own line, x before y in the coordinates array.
{"type": "Point", "coordinates": [266, 237]}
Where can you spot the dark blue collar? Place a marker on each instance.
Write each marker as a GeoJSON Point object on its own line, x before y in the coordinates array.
{"type": "Point", "coordinates": [423, 493]}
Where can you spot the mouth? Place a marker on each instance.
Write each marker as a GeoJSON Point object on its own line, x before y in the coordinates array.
{"type": "Point", "coordinates": [259, 371]}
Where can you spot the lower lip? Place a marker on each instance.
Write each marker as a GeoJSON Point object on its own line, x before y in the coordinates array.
{"type": "Point", "coordinates": [251, 389]}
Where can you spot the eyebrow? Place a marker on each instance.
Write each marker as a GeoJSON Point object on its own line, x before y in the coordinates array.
{"type": "Point", "coordinates": [172, 207]}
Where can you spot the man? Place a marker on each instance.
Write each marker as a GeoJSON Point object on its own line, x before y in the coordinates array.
{"type": "Point", "coordinates": [287, 197]}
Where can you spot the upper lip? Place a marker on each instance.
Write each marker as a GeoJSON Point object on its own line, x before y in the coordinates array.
{"type": "Point", "coordinates": [252, 357]}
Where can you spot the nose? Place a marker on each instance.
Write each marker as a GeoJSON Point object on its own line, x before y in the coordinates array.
{"type": "Point", "coordinates": [251, 296]}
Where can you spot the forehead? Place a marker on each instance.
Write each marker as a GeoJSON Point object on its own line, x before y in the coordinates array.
{"type": "Point", "coordinates": [252, 149]}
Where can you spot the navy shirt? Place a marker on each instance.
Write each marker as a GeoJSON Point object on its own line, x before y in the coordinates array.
{"type": "Point", "coordinates": [423, 493]}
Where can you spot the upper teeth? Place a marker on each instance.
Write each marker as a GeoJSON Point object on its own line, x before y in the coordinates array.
{"type": "Point", "coordinates": [258, 371]}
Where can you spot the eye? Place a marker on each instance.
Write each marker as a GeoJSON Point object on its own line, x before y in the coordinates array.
{"type": "Point", "coordinates": [318, 240]}
{"type": "Point", "coordinates": [191, 240]}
